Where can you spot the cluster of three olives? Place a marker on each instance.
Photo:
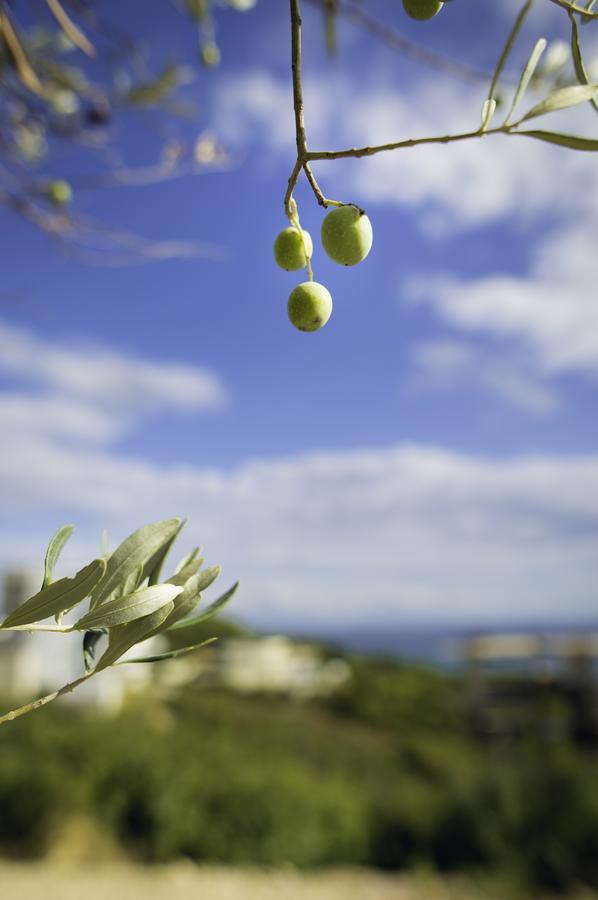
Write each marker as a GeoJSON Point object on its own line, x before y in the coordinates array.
{"type": "Point", "coordinates": [346, 238]}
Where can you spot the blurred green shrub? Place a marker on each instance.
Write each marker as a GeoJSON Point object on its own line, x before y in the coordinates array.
{"type": "Point", "coordinates": [213, 776]}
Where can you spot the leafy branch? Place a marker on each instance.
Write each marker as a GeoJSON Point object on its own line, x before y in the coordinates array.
{"type": "Point", "coordinates": [561, 98]}
{"type": "Point", "coordinates": [127, 602]}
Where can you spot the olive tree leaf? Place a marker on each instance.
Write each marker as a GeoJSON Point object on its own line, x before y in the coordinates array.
{"type": "Point", "coordinates": [58, 597]}
{"type": "Point", "coordinates": [190, 596]}
{"type": "Point", "coordinates": [153, 567]}
{"type": "Point", "coordinates": [508, 46]}
{"type": "Point", "coordinates": [126, 609]}
{"type": "Point", "coordinates": [184, 574]}
{"type": "Point", "coordinates": [186, 601]}
{"type": "Point", "coordinates": [126, 636]}
{"type": "Point", "coordinates": [168, 654]}
{"type": "Point", "coordinates": [561, 99]}
{"type": "Point", "coordinates": [131, 583]}
{"type": "Point", "coordinates": [526, 75]}
{"type": "Point", "coordinates": [187, 559]}
{"type": "Point", "coordinates": [578, 64]}
{"type": "Point", "coordinates": [132, 553]}
{"type": "Point", "coordinates": [488, 109]}
{"type": "Point", "coordinates": [54, 550]}
{"type": "Point", "coordinates": [208, 612]}
{"type": "Point", "coordinates": [573, 141]}
{"type": "Point", "coordinates": [208, 576]}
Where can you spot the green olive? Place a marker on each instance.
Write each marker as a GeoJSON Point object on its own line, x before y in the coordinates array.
{"type": "Point", "coordinates": [309, 306]}
{"type": "Point", "coordinates": [289, 250]}
{"type": "Point", "coordinates": [422, 9]}
{"type": "Point", "coordinates": [347, 235]}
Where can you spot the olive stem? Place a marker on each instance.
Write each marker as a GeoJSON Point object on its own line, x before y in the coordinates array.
{"type": "Point", "coordinates": [294, 220]}
{"type": "Point", "coordinates": [42, 701]}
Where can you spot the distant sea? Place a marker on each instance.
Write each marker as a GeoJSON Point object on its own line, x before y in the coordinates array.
{"type": "Point", "coordinates": [437, 647]}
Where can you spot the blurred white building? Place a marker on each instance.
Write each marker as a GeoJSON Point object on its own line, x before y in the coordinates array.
{"type": "Point", "coordinates": [277, 664]}
{"type": "Point", "coordinates": [273, 663]}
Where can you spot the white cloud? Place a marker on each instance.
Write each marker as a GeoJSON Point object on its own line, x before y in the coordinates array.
{"type": "Point", "coordinates": [77, 392]}
{"type": "Point", "coordinates": [551, 312]}
{"type": "Point", "coordinates": [255, 109]}
{"type": "Point", "coordinates": [463, 184]}
{"type": "Point", "coordinates": [447, 365]}
{"type": "Point", "coordinates": [112, 379]}
{"type": "Point", "coordinates": [31, 417]}
{"type": "Point", "coordinates": [408, 533]}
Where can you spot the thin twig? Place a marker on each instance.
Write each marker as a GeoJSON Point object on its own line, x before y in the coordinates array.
{"type": "Point", "coordinates": [358, 152]}
{"type": "Point", "coordinates": [24, 69]}
{"type": "Point", "coordinates": [291, 184]}
{"type": "Point", "coordinates": [42, 701]}
{"type": "Point", "coordinates": [297, 87]}
{"type": "Point", "coordinates": [74, 34]}
{"type": "Point", "coordinates": [300, 137]}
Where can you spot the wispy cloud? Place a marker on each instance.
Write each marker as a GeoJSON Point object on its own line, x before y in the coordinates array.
{"type": "Point", "coordinates": [446, 364]}
{"type": "Point", "coordinates": [457, 186]}
{"type": "Point", "coordinates": [550, 312]}
{"type": "Point", "coordinates": [72, 390]}
{"type": "Point", "coordinates": [403, 534]}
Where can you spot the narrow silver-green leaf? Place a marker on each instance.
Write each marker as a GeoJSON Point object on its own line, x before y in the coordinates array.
{"type": "Point", "coordinates": [168, 654]}
{"type": "Point", "coordinates": [526, 75]}
{"type": "Point", "coordinates": [576, 55]}
{"type": "Point", "coordinates": [187, 559]}
{"type": "Point", "coordinates": [131, 583]}
{"type": "Point", "coordinates": [134, 552]}
{"type": "Point", "coordinates": [184, 574]}
{"type": "Point", "coordinates": [562, 99]}
{"type": "Point", "coordinates": [58, 597]}
{"type": "Point", "coordinates": [208, 612]}
{"type": "Point", "coordinates": [185, 603]}
{"type": "Point", "coordinates": [126, 636]}
{"type": "Point", "coordinates": [573, 141]}
{"type": "Point", "coordinates": [488, 109]}
{"type": "Point", "coordinates": [54, 550]}
{"type": "Point", "coordinates": [126, 609]}
{"type": "Point", "coordinates": [506, 50]}
{"type": "Point", "coordinates": [208, 576]}
{"type": "Point", "coordinates": [153, 566]}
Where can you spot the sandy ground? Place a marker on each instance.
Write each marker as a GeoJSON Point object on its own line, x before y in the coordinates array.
{"type": "Point", "coordinates": [187, 882]}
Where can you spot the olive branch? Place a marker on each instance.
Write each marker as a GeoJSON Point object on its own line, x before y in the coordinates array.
{"type": "Point", "coordinates": [127, 601]}
{"type": "Point", "coordinates": [562, 98]}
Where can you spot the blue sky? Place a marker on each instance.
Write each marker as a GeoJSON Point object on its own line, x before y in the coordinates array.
{"type": "Point", "coordinates": [431, 456]}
